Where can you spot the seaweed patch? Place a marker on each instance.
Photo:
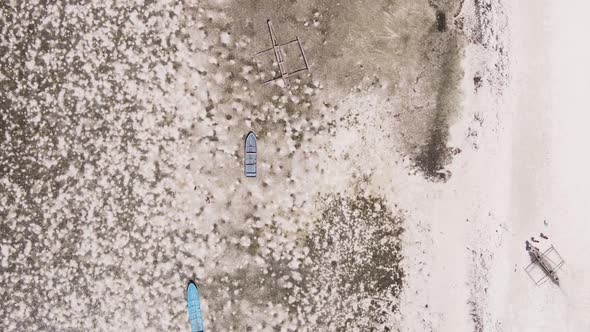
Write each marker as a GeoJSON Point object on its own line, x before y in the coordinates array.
{"type": "Point", "coordinates": [353, 275]}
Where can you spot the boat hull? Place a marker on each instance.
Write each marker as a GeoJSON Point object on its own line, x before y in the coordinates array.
{"type": "Point", "coordinates": [250, 155]}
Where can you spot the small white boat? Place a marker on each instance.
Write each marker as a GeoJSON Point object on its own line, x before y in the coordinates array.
{"type": "Point", "coordinates": [250, 155]}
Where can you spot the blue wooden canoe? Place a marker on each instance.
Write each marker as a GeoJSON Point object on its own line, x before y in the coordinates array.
{"type": "Point", "coordinates": [195, 316]}
{"type": "Point", "coordinates": [250, 155]}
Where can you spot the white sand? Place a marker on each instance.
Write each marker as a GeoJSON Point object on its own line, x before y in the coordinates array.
{"type": "Point", "coordinates": [543, 178]}
{"type": "Point", "coordinates": [550, 53]}
{"type": "Point", "coordinates": [530, 167]}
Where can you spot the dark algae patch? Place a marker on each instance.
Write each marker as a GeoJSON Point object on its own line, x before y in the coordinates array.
{"type": "Point", "coordinates": [435, 155]}
{"type": "Point", "coordinates": [441, 21]}
{"type": "Point", "coordinates": [353, 278]}
{"type": "Point", "coordinates": [441, 79]}
{"type": "Point", "coordinates": [347, 276]}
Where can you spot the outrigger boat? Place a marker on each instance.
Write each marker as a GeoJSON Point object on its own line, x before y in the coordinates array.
{"type": "Point", "coordinates": [544, 265]}
{"type": "Point", "coordinates": [195, 316]}
{"type": "Point", "coordinates": [250, 155]}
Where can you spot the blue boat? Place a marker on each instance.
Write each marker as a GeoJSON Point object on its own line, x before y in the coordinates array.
{"type": "Point", "coordinates": [194, 308]}
{"type": "Point", "coordinates": [250, 155]}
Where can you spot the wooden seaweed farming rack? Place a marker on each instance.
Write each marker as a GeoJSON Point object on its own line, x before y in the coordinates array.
{"type": "Point", "coordinates": [280, 59]}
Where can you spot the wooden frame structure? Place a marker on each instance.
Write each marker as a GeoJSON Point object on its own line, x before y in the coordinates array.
{"type": "Point", "coordinates": [280, 57]}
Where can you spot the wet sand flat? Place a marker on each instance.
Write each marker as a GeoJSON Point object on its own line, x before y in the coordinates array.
{"type": "Point", "coordinates": [122, 176]}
